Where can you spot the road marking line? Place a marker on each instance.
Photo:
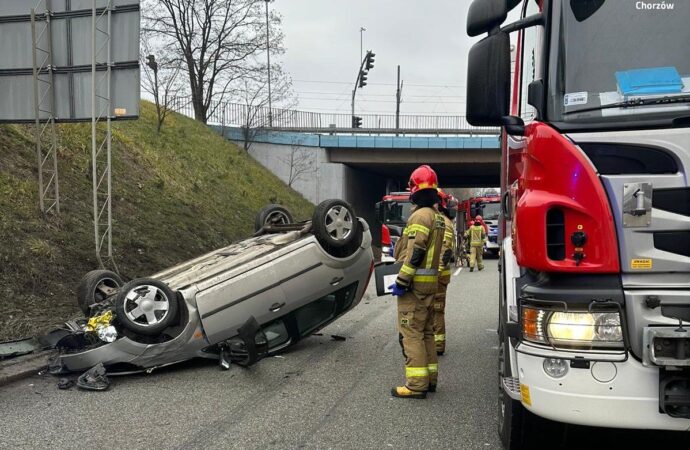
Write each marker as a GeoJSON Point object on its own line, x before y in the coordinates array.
{"type": "Point", "coordinates": [457, 272]}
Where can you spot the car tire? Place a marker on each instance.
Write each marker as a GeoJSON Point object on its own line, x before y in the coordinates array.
{"type": "Point", "coordinates": [146, 306]}
{"type": "Point", "coordinates": [334, 223]}
{"type": "Point", "coordinates": [95, 287]}
{"type": "Point", "coordinates": [272, 215]}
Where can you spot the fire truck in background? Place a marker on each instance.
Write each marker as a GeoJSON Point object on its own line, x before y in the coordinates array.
{"type": "Point", "coordinates": [392, 212]}
{"type": "Point", "coordinates": [594, 296]}
{"type": "Point", "coordinates": [489, 207]}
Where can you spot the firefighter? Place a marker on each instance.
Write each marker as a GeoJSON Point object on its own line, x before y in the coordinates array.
{"type": "Point", "coordinates": [476, 237]}
{"type": "Point", "coordinates": [448, 207]}
{"type": "Point", "coordinates": [416, 286]}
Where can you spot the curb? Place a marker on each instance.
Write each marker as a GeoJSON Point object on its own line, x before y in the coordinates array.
{"type": "Point", "coordinates": [22, 367]}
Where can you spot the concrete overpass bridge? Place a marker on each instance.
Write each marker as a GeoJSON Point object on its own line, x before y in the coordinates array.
{"type": "Point", "coordinates": [362, 168]}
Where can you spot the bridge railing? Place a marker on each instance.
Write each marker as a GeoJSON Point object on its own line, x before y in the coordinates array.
{"type": "Point", "coordinates": [234, 114]}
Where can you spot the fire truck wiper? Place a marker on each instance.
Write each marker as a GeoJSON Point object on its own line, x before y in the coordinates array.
{"type": "Point", "coordinates": [636, 102]}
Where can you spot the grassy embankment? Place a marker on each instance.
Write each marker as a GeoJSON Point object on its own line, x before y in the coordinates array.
{"type": "Point", "coordinates": [175, 196]}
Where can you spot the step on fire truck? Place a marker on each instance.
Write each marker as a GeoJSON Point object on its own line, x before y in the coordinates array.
{"type": "Point", "coordinates": [594, 316]}
{"type": "Point", "coordinates": [489, 207]}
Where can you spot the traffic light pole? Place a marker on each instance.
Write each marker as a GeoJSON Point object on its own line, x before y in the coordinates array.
{"type": "Point", "coordinates": [354, 90]}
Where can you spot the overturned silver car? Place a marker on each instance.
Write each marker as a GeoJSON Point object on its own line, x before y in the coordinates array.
{"type": "Point", "coordinates": [235, 304]}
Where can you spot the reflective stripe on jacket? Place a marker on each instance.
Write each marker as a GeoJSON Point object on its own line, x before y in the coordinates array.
{"type": "Point", "coordinates": [448, 244]}
{"type": "Point", "coordinates": [476, 235]}
{"type": "Point", "coordinates": [422, 257]}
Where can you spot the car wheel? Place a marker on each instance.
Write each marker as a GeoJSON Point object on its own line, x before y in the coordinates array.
{"type": "Point", "coordinates": [334, 223]}
{"type": "Point", "coordinates": [146, 306]}
{"type": "Point", "coordinates": [95, 287]}
{"type": "Point", "coordinates": [272, 215]}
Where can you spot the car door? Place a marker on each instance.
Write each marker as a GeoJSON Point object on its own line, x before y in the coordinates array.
{"type": "Point", "coordinates": [316, 277]}
{"type": "Point", "coordinates": [226, 306]}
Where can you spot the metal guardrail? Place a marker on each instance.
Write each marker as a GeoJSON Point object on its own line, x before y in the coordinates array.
{"type": "Point", "coordinates": [234, 114]}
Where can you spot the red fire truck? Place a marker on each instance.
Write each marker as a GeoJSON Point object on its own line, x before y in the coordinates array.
{"type": "Point", "coordinates": [392, 212]}
{"type": "Point", "coordinates": [594, 304]}
{"type": "Point", "coordinates": [489, 207]}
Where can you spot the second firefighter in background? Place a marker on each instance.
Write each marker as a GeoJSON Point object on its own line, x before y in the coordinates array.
{"type": "Point", "coordinates": [476, 235]}
{"type": "Point", "coordinates": [416, 286]}
{"type": "Point", "coordinates": [448, 207]}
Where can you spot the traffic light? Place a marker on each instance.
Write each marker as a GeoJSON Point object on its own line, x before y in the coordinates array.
{"type": "Point", "coordinates": [356, 122]}
{"type": "Point", "coordinates": [370, 60]}
{"type": "Point", "coordinates": [362, 78]}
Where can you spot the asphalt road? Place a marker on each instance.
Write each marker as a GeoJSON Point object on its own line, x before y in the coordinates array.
{"type": "Point", "coordinates": [321, 394]}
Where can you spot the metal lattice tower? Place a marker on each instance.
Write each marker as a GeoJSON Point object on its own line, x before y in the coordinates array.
{"type": "Point", "coordinates": [44, 109]}
{"type": "Point", "coordinates": [101, 108]}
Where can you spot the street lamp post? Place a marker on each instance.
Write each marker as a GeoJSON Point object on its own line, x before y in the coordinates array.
{"type": "Point", "coordinates": [361, 42]}
{"type": "Point", "coordinates": [268, 55]}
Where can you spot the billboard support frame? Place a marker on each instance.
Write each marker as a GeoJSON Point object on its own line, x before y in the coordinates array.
{"type": "Point", "coordinates": [101, 149]}
{"type": "Point", "coordinates": [48, 180]}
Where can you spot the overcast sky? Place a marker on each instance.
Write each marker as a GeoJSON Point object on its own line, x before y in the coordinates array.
{"type": "Point", "coordinates": [425, 37]}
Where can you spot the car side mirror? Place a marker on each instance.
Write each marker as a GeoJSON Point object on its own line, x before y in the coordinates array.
{"type": "Point", "coordinates": [488, 80]}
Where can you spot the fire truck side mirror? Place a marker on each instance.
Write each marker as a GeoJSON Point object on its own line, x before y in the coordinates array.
{"type": "Point", "coordinates": [488, 81]}
{"type": "Point", "coordinates": [485, 15]}
{"type": "Point", "coordinates": [506, 205]}
{"type": "Point", "coordinates": [514, 125]}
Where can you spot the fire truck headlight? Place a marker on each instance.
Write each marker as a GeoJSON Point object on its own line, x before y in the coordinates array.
{"type": "Point", "coordinates": [585, 330]}
{"type": "Point", "coordinates": [572, 330]}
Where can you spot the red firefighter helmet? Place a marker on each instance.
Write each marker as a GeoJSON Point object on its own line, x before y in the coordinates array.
{"type": "Point", "coordinates": [443, 198]}
{"type": "Point", "coordinates": [423, 177]}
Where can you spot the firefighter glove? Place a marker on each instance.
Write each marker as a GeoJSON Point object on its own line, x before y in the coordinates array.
{"type": "Point", "coordinates": [397, 290]}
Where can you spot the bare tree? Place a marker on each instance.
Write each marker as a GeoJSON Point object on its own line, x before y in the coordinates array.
{"type": "Point", "coordinates": [160, 78]}
{"type": "Point", "coordinates": [218, 41]}
{"type": "Point", "coordinates": [300, 161]}
{"type": "Point", "coordinates": [254, 98]}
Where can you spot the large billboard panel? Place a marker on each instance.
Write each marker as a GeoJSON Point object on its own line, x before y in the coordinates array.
{"type": "Point", "coordinates": [70, 44]}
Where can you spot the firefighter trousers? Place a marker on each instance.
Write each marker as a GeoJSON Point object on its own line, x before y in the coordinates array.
{"type": "Point", "coordinates": [416, 325]}
{"type": "Point", "coordinates": [477, 254]}
{"type": "Point", "coordinates": [440, 317]}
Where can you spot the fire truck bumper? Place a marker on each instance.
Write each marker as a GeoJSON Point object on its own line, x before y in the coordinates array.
{"type": "Point", "coordinates": [603, 394]}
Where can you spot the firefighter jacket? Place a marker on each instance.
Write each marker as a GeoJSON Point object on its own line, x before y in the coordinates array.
{"type": "Point", "coordinates": [400, 250]}
{"type": "Point", "coordinates": [420, 269]}
{"type": "Point", "coordinates": [447, 251]}
{"type": "Point", "coordinates": [476, 235]}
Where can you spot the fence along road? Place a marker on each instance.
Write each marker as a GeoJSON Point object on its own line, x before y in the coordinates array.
{"type": "Point", "coordinates": [234, 114]}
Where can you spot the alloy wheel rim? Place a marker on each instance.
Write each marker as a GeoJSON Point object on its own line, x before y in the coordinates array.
{"type": "Point", "coordinates": [339, 223]}
{"type": "Point", "coordinates": [146, 305]}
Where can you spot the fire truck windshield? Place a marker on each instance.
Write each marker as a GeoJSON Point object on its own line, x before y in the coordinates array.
{"type": "Point", "coordinates": [619, 61]}
{"type": "Point", "coordinates": [396, 212]}
{"type": "Point", "coordinates": [491, 211]}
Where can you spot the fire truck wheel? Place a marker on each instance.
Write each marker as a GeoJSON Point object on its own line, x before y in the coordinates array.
{"type": "Point", "coordinates": [518, 428]}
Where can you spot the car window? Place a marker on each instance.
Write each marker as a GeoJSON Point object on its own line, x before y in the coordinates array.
{"type": "Point", "coordinates": [312, 316]}
{"type": "Point", "coordinates": [276, 334]}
